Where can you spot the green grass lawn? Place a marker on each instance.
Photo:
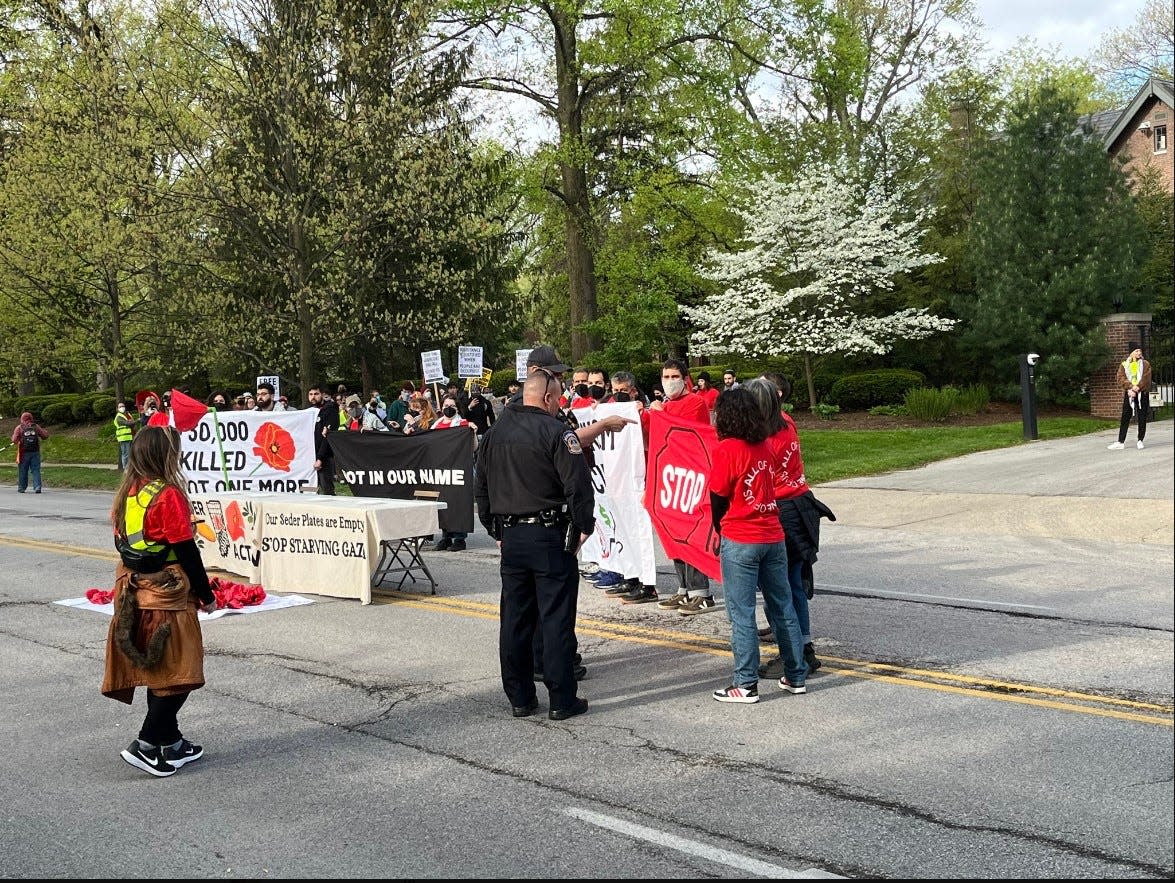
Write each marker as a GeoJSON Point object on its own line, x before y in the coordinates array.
{"type": "Point", "coordinates": [829, 454]}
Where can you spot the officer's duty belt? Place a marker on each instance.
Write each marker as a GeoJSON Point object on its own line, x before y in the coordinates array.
{"type": "Point", "coordinates": [552, 518]}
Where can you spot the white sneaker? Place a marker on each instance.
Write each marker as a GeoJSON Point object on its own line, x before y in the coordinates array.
{"type": "Point", "coordinates": [1116, 446]}
{"type": "Point", "coordinates": [1140, 446]}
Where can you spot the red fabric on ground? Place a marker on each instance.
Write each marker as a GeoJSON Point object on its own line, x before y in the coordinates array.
{"type": "Point", "coordinates": [229, 595]}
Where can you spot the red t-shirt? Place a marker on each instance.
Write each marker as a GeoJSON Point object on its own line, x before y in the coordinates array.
{"type": "Point", "coordinates": [169, 520]}
{"type": "Point", "coordinates": [789, 465]}
{"type": "Point", "coordinates": [745, 474]}
{"type": "Point", "coordinates": [689, 406]}
{"type": "Point", "coordinates": [709, 396]}
{"type": "Point", "coordinates": [581, 402]}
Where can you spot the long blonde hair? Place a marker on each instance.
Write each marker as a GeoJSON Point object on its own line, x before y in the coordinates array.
{"type": "Point", "coordinates": [155, 455]}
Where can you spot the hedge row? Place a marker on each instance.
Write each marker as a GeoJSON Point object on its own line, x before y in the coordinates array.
{"type": "Point", "coordinates": [62, 408]}
{"type": "Point", "coordinates": [885, 386]}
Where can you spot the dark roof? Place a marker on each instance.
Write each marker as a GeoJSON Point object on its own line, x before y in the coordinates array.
{"type": "Point", "coordinates": [1161, 90]}
{"type": "Point", "coordinates": [1101, 122]}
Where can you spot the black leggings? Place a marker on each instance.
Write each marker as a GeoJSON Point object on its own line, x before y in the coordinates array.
{"type": "Point", "coordinates": [1141, 403]}
{"type": "Point", "coordinates": [160, 726]}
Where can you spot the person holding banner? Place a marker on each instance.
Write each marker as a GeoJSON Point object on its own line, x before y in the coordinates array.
{"type": "Point", "coordinates": [752, 552]}
{"type": "Point", "coordinates": [535, 497]}
{"type": "Point", "coordinates": [451, 540]}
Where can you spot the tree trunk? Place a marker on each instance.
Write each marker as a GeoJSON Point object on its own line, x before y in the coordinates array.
{"type": "Point", "coordinates": [305, 346]}
{"type": "Point", "coordinates": [365, 375]}
{"type": "Point", "coordinates": [115, 353]}
{"type": "Point", "coordinates": [581, 265]}
{"type": "Point", "coordinates": [811, 382]}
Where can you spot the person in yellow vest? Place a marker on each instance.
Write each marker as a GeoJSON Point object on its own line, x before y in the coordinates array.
{"type": "Point", "coordinates": [124, 433]}
{"type": "Point", "coordinates": [160, 584]}
{"type": "Point", "coordinates": [1134, 376]}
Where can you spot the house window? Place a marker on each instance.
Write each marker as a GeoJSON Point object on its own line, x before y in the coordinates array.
{"type": "Point", "coordinates": [1160, 139]}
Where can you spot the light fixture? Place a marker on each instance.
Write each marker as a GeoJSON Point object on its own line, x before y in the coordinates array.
{"type": "Point", "coordinates": [1146, 125]}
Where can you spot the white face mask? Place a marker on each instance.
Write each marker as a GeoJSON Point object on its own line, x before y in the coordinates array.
{"type": "Point", "coordinates": [673, 387]}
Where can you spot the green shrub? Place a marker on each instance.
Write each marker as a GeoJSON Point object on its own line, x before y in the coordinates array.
{"type": "Point", "coordinates": [885, 386]}
{"type": "Point", "coordinates": [931, 405]}
{"type": "Point", "coordinates": [57, 413]}
{"type": "Point", "coordinates": [787, 407]}
{"type": "Point", "coordinates": [82, 410]}
{"type": "Point", "coordinates": [888, 410]}
{"type": "Point", "coordinates": [648, 375]}
{"type": "Point", "coordinates": [972, 399]}
{"type": "Point", "coordinates": [102, 407]}
{"type": "Point", "coordinates": [825, 411]}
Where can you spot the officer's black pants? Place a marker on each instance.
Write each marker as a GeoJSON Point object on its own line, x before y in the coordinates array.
{"type": "Point", "coordinates": [540, 587]}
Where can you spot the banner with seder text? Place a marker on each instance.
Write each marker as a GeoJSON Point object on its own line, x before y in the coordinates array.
{"type": "Point", "coordinates": [255, 450]}
{"type": "Point", "coordinates": [676, 490]}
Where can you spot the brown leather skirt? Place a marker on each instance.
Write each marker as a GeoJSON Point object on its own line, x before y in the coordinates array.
{"type": "Point", "coordinates": [154, 639]}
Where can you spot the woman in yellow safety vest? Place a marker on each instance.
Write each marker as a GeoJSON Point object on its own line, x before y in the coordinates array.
{"type": "Point", "coordinates": [1134, 376]}
{"type": "Point", "coordinates": [124, 433]}
{"type": "Point", "coordinates": [154, 639]}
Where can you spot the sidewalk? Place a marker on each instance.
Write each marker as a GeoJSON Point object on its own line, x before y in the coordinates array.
{"type": "Point", "coordinates": [1071, 488]}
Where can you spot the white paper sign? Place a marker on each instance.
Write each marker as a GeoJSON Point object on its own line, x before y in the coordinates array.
{"type": "Point", "coordinates": [520, 357]}
{"type": "Point", "coordinates": [623, 538]}
{"type": "Point", "coordinates": [261, 451]}
{"type": "Point", "coordinates": [431, 363]}
{"type": "Point", "coordinates": [274, 381]}
{"type": "Point", "coordinates": [469, 361]}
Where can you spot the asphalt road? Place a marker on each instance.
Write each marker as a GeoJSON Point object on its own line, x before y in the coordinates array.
{"type": "Point", "coordinates": [995, 701]}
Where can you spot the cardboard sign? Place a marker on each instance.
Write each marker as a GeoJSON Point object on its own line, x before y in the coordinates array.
{"type": "Point", "coordinates": [433, 370]}
{"type": "Point", "coordinates": [486, 376]}
{"type": "Point", "coordinates": [469, 361]}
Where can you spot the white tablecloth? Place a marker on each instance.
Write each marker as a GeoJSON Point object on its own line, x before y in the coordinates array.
{"type": "Point", "coordinates": [307, 543]}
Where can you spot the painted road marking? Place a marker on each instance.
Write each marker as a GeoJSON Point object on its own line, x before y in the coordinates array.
{"type": "Point", "coordinates": [694, 848]}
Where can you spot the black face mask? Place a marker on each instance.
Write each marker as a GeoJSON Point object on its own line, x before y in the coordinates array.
{"type": "Point", "coordinates": [623, 397]}
{"type": "Point", "coordinates": [581, 390]}
{"type": "Point", "coordinates": [596, 392]}
{"type": "Point", "coordinates": [450, 411]}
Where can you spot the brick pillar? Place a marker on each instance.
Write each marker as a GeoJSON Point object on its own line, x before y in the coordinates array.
{"type": "Point", "coordinates": [1124, 332]}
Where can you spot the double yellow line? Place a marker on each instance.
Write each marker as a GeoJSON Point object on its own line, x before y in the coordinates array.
{"type": "Point", "coordinates": [926, 679]}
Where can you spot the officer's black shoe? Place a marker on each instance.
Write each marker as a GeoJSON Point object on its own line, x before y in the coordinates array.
{"type": "Point", "coordinates": [440, 545]}
{"type": "Point", "coordinates": [457, 546]}
{"type": "Point", "coordinates": [580, 672]}
{"type": "Point", "coordinates": [810, 658]}
{"type": "Point", "coordinates": [621, 590]}
{"type": "Point", "coordinates": [561, 714]}
{"type": "Point", "coordinates": [772, 669]}
{"type": "Point", "coordinates": [577, 659]}
{"type": "Point", "coordinates": [525, 710]}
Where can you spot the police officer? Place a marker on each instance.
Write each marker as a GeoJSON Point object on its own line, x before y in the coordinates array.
{"type": "Point", "coordinates": [534, 496]}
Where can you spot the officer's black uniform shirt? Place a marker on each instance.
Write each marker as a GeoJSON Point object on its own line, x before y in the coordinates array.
{"type": "Point", "coordinates": [530, 461]}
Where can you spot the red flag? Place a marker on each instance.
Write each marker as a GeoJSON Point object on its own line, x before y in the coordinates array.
{"type": "Point", "coordinates": [676, 489]}
{"type": "Point", "coordinates": [186, 411]}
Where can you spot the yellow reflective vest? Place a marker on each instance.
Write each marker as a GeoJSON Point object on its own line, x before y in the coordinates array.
{"type": "Point", "coordinates": [136, 516]}
{"type": "Point", "coordinates": [123, 427]}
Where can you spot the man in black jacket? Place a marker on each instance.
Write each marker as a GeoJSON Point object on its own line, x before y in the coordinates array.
{"type": "Point", "coordinates": [326, 422]}
{"type": "Point", "coordinates": [534, 496]}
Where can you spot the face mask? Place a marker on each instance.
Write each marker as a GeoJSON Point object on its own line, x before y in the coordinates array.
{"type": "Point", "coordinates": [623, 397]}
{"type": "Point", "coordinates": [596, 392]}
{"type": "Point", "coordinates": [673, 387]}
{"type": "Point", "coordinates": [122, 409]}
{"type": "Point", "coordinates": [450, 411]}
{"type": "Point", "coordinates": [581, 390]}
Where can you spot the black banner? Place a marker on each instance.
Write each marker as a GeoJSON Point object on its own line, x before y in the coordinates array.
{"type": "Point", "coordinates": [383, 464]}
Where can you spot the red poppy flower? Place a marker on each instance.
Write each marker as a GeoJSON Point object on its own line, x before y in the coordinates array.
{"type": "Point", "coordinates": [275, 446]}
{"type": "Point", "coordinates": [234, 522]}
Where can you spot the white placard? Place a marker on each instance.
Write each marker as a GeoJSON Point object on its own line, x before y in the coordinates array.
{"type": "Point", "coordinates": [469, 361]}
{"type": "Point", "coordinates": [260, 451]}
{"type": "Point", "coordinates": [430, 362]}
{"type": "Point", "coordinates": [520, 357]}
{"type": "Point", "coordinates": [274, 381]}
{"type": "Point", "coordinates": [623, 539]}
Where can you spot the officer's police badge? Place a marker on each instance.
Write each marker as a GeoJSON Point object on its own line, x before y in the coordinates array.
{"type": "Point", "coordinates": [572, 441]}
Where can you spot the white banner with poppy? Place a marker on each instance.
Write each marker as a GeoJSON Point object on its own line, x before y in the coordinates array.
{"type": "Point", "coordinates": [250, 451]}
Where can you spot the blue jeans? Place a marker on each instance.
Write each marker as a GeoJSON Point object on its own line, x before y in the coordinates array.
{"type": "Point", "coordinates": [124, 454]}
{"type": "Point", "coordinates": [799, 598]}
{"type": "Point", "coordinates": [746, 569]}
{"type": "Point", "coordinates": [29, 463]}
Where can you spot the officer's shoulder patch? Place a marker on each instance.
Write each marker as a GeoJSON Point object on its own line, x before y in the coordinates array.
{"type": "Point", "coordinates": [572, 441]}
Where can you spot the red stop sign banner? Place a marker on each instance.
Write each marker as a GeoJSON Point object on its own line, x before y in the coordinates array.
{"type": "Point", "coordinates": [677, 492]}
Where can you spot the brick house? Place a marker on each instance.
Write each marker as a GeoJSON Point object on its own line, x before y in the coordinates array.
{"type": "Point", "coordinates": [1140, 134]}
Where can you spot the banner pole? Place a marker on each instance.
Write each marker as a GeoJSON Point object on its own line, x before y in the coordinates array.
{"type": "Point", "coordinates": [219, 445]}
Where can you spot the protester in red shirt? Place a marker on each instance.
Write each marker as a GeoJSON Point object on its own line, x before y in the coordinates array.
{"type": "Point", "coordinates": [693, 593]}
{"type": "Point", "coordinates": [752, 552]}
{"type": "Point", "coordinates": [707, 392]}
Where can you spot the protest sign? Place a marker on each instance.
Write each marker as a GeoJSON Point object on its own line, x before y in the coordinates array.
{"type": "Point", "coordinates": [677, 496]}
{"type": "Point", "coordinates": [469, 361]}
{"type": "Point", "coordinates": [520, 357]}
{"type": "Point", "coordinates": [380, 464]}
{"type": "Point", "coordinates": [623, 538]}
{"type": "Point", "coordinates": [430, 362]}
{"type": "Point", "coordinates": [274, 381]}
{"type": "Point", "coordinates": [253, 450]}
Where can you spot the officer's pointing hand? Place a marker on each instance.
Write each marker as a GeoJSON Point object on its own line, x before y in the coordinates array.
{"type": "Point", "coordinates": [615, 423]}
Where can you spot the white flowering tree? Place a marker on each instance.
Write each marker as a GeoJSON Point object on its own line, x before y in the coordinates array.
{"type": "Point", "coordinates": [815, 248]}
